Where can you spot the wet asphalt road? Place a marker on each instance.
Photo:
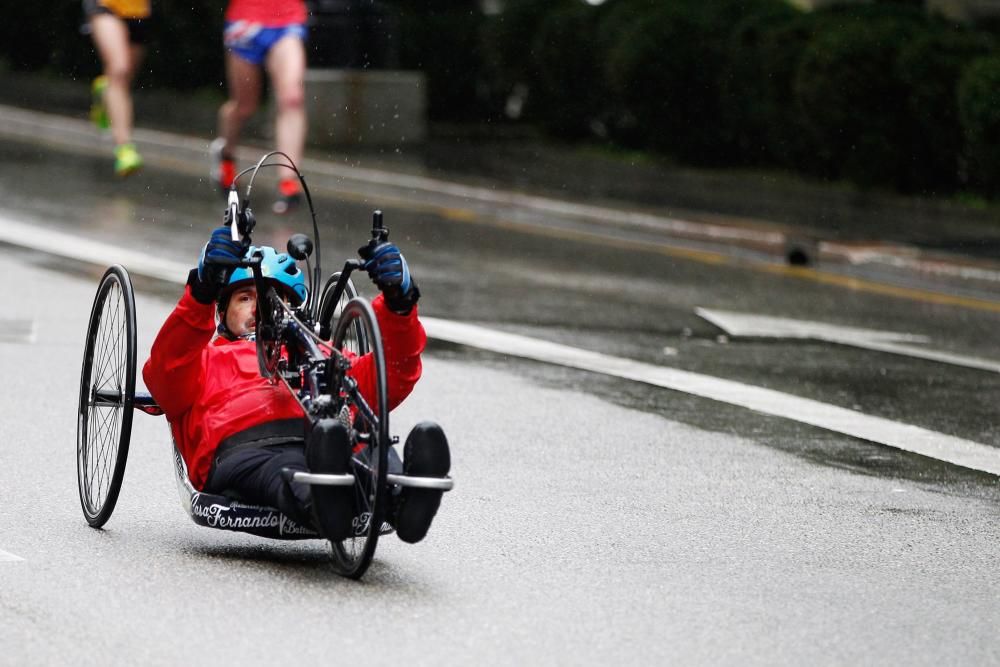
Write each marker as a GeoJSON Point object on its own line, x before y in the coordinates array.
{"type": "Point", "coordinates": [595, 519]}
{"type": "Point", "coordinates": [629, 299]}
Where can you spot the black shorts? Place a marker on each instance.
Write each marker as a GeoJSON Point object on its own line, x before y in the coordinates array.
{"type": "Point", "coordinates": [138, 30]}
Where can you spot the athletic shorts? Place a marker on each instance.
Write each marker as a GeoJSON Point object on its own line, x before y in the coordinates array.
{"type": "Point", "coordinates": [252, 41]}
{"type": "Point", "coordinates": [138, 30]}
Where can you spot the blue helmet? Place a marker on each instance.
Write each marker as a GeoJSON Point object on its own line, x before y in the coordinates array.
{"type": "Point", "coordinates": [280, 269]}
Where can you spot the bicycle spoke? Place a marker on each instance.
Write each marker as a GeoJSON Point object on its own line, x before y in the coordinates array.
{"type": "Point", "coordinates": [91, 453]}
{"type": "Point", "coordinates": [95, 460]}
{"type": "Point", "coordinates": [366, 412]}
{"type": "Point", "coordinates": [100, 456]}
{"type": "Point", "coordinates": [111, 338]}
{"type": "Point", "coordinates": [103, 338]}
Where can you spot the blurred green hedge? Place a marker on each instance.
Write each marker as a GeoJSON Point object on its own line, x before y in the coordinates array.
{"type": "Point", "coordinates": [979, 111]}
{"type": "Point", "coordinates": [441, 38]}
{"type": "Point", "coordinates": [879, 94]}
{"type": "Point", "coordinates": [851, 100]}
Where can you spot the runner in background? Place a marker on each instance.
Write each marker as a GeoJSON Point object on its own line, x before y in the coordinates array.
{"type": "Point", "coordinates": [264, 36]}
{"type": "Point", "coordinates": [118, 28]}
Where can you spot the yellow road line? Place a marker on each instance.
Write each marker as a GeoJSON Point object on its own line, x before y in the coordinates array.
{"type": "Point", "coordinates": [873, 287]}
{"type": "Point", "coordinates": [718, 258]}
{"type": "Point", "coordinates": [468, 216]}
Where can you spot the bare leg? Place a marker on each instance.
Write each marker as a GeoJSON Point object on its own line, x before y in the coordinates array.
{"type": "Point", "coordinates": [244, 80]}
{"type": "Point", "coordinates": [286, 65]}
{"type": "Point", "coordinates": [120, 60]}
{"type": "Point", "coordinates": [137, 53]}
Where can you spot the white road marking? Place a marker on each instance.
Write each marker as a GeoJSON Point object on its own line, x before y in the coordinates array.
{"type": "Point", "coordinates": [906, 437]}
{"type": "Point", "coordinates": [748, 325]}
{"type": "Point", "coordinates": [85, 250]}
{"type": "Point", "coordinates": [765, 326]}
{"type": "Point", "coordinates": [17, 331]}
{"type": "Point", "coordinates": [901, 436]}
{"type": "Point", "coordinates": [7, 557]}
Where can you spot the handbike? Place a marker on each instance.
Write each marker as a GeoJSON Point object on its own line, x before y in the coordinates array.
{"type": "Point", "coordinates": [308, 349]}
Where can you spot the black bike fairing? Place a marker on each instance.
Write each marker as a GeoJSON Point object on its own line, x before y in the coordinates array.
{"type": "Point", "coordinates": [218, 511]}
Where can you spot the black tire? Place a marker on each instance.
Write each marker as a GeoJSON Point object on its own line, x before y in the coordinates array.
{"type": "Point", "coordinates": [352, 556]}
{"type": "Point", "coordinates": [107, 392]}
{"type": "Point", "coordinates": [268, 333]}
{"type": "Point", "coordinates": [354, 339]}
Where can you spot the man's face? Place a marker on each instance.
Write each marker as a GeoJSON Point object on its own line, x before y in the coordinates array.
{"type": "Point", "coordinates": [240, 311]}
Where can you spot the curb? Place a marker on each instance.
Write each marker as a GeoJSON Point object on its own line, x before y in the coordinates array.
{"type": "Point", "coordinates": [776, 242]}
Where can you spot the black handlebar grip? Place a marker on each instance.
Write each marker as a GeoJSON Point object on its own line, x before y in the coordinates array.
{"type": "Point", "coordinates": [379, 233]}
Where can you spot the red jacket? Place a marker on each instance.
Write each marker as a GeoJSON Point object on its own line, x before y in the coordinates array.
{"type": "Point", "coordinates": [210, 390]}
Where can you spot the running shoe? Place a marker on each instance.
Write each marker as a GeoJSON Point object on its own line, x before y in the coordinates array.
{"type": "Point", "coordinates": [98, 111]}
{"type": "Point", "coordinates": [425, 454]}
{"type": "Point", "coordinates": [289, 197]}
{"type": "Point", "coordinates": [127, 160]}
{"type": "Point", "coordinates": [223, 167]}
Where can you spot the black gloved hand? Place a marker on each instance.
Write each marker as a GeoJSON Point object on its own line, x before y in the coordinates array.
{"type": "Point", "coordinates": [209, 278]}
{"type": "Point", "coordinates": [388, 269]}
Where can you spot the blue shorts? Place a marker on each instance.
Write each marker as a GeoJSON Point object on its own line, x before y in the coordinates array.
{"type": "Point", "coordinates": [252, 41]}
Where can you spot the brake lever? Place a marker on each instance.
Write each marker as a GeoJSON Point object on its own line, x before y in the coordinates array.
{"type": "Point", "coordinates": [233, 214]}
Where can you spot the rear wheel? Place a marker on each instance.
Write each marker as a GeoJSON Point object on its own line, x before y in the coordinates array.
{"type": "Point", "coordinates": [107, 392]}
{"type": "Point", "coordinates": [370, 422]}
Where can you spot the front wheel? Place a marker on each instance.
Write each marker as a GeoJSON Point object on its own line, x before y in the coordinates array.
{"type": "Point", "coordinates": [107, 392]}
{"type": "Point", "coordinates": [330, 312]}
{"type": "Point", "coordinates": [369, 417]}
{"type": "Point", "coordinates": [269, 316]}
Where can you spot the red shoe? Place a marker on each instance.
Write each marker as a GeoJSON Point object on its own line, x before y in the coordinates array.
{"type": "Point", "coordinates": [223, 167]}
{"type": "Point", "coordinates": [289, 196]}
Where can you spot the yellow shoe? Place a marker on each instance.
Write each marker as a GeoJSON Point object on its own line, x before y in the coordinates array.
{"type": "Point", "coordinates": [99, 112]}
{"type": "Point", "coordinates": [127, 160]}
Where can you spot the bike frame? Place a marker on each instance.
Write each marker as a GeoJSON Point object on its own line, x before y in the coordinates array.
{"type": "Point", "coordinates": [309, 373]}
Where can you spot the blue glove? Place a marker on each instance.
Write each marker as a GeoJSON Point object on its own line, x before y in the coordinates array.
{"type": "Point", "coordinates": [208, 279]}
{"type": "Point", "coordinates": [387, 268]}
{"type": "Point", "coordinates": [220, 246]}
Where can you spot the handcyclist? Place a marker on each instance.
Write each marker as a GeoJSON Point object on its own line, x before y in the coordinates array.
{"type": "Point", "coordinates": [118, 28]}
{"type": "Point", "coordinates": [236, 430]}
{"type": "Point", "coordinates": [259, 36]}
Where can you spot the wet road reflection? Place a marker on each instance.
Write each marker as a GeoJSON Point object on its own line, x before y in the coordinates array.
{"type": "Point", "coordinates": [617, 299]}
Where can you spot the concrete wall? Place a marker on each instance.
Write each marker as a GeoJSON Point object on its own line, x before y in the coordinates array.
{"type": "Point", "coordinates": [816, 4]}
{"type": "Point", "coordinates": [378, 107]}
{"type": "Point", "coordinates": [965, 10]}
{"type": "Point", "coordinates": [959, 10]}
